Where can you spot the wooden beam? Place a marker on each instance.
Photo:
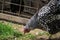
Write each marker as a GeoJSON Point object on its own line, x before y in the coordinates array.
{"type": "Point", "coordinates": [13, 18]}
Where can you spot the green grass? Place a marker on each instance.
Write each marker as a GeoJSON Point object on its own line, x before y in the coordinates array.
{"type": "Point", "coordinates": [43, 33]}
{"type": "Point", "coordinates": [28, 37]}
{"type": "Point", "coordinates": [6, 29]}
{"type": "Point", "coordinates": [7, 32]}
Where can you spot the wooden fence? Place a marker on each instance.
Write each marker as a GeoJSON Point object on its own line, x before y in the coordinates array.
{"type": "Point", "coordinates": [30, 7]}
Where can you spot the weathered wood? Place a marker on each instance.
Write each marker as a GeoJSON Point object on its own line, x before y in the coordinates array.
{"type": "Point", "coordinates": [13, 18]}
{"type": "Point", "coordinates": [23, 14]}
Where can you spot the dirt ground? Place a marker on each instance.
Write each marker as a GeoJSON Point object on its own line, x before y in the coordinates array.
{"type": "Point", "coordinates": [34, 32]}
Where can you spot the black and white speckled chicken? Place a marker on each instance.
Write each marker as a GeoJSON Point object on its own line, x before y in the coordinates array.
{"type": "Point", "coordinates": [47, 17]}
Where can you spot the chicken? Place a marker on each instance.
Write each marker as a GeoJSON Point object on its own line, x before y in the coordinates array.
{"type": "Point", "coordinates": [46, 17]}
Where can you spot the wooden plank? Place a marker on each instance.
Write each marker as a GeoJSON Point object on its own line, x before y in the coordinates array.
{"type": "Point", "coordinates": [13, 18]}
